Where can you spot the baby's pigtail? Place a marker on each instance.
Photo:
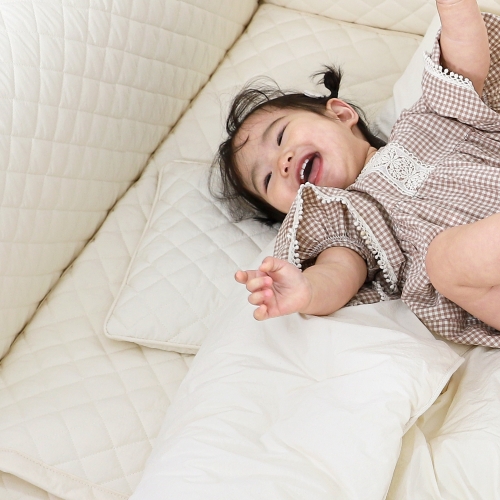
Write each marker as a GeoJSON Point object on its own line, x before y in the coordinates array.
{"type": "Point", "coordinates": [330, 78]}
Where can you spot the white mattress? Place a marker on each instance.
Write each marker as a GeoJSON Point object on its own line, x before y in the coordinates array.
{"type": "Point", "coordinates": [79, 412]}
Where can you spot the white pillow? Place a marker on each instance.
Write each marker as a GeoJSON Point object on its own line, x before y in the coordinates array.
{"type": "Point", "coordinates": [449, 449]}
{"type": "Point", "coordinates": [182, 271]}
{"type": "Point", "coordinates": [408, 88]}
{"type": "Point", "coordinates": [297, 407]}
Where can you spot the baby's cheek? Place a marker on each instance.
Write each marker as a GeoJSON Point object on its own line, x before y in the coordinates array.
{"type": "Point", "coordinates": [281, 199]}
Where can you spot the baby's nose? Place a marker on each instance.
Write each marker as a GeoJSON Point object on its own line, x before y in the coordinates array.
{"type": "Point", "coordinates": [285, 162]}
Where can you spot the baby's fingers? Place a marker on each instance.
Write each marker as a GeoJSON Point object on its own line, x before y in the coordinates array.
{"type": "Point", "coordinates": [244, 277]}
{"type": "Point", "coordinates": [259, 297]}
{"type": "Point", "coordinates": [271, 264]}
{"type": "Point", "coordinates": [261, 313]}
{"type": "Point", "coordinates": [241, 277]}
{"type": "Point", "coordinates": [259, 283]}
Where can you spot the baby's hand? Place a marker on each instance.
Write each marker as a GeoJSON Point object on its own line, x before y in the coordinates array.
{"type": "Point", "coordinates": [277, 288]}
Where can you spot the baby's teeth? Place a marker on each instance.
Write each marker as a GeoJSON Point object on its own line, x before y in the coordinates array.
{"type": "Point", "coordinates": [302, 169]}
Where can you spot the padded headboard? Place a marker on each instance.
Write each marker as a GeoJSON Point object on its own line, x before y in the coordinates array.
{"type": "Point", "coordinates": [410, 16]}
{"type": "Point", "coordinates": [88, 90]}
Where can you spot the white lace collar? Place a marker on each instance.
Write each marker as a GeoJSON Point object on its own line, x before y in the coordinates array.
{"type": "Point", "coordinates": [399, 167]}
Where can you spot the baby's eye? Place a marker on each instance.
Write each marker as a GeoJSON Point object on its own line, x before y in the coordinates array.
{"type": "Point", "coordinates": [280, 136]}
{"type": "Point", "coordinates": [267, 180]}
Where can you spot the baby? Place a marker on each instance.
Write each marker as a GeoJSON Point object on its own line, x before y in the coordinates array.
{"type": "Point", "coordinates": [419, 218]}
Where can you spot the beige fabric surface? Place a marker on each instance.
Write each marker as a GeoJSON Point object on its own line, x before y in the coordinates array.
{"type": "Point", "coordinates": [409, 16]}
{"type": "Point", "coordinates": [87, 92]}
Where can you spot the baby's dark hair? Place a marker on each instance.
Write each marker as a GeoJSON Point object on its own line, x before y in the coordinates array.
{"type": "Point", "coordinates": [241, 202]}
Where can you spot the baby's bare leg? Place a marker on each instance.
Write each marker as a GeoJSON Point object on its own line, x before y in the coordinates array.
{"type": "Point", "coordinates": [463, 264]}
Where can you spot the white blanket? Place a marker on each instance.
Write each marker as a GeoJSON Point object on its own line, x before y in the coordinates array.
{"type": "Point", "coordinates": [297, 407]}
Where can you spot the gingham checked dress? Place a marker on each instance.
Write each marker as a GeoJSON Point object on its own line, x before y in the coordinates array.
{"type": "Point", "coordinates": [440, 168]}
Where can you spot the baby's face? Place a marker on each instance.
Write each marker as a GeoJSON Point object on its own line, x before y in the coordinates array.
{"type": "Point", "coordinates": [284, 148]}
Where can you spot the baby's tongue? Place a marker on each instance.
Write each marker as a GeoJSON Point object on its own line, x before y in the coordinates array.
{"type": "Point", "coordinates": [314, 171]}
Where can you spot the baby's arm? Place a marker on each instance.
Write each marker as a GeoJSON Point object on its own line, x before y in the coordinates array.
{"type": "Point", "coordinates": [279, 288]}
{"type": "Point", "coordinates": [464, 40]}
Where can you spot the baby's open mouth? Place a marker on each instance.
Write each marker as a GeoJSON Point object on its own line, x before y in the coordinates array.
{"type": "Point", "coordinates": [305, 170]}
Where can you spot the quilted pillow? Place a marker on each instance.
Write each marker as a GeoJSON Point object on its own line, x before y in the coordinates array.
{"type": "Point", "coordinates": [181, 273]}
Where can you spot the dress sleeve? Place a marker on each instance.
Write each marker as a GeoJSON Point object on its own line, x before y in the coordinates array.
{"type": "Point", "coordinates": [450, 95]}
{"type": "Point", "coordinates": [313, 225]}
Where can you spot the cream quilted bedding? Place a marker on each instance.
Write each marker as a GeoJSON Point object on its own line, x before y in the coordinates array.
{"type": "Point", "coordinates": [112, 301]}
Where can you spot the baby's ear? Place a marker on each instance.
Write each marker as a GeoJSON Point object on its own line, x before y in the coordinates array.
{"type": "Point", "coordinates": [340, 110]}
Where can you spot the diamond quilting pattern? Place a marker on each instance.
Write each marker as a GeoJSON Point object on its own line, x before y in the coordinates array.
{"type": "Point", "coordinates": [79, 411]}
{"type": "Point", "coordinates": [182, 272]}
{"type": "Point", "coordinates": [87, 92]}
{"type": "Point", "coordinates": [74, 402]}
